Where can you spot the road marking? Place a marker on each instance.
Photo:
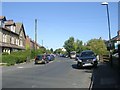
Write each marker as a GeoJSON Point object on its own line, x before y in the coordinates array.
{"type": "Point", "coordinates": [75, 85]}
{"type": "Point", "coordinates": [20, 67]}
{"type": "Point", "coordinates": [34, 86]}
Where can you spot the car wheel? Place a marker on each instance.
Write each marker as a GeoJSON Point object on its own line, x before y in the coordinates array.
{"type": "Point", "coordinates": [79, 65]}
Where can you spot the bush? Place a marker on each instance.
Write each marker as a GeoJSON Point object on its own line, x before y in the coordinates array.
{"type": "Point", "coordinates": [8, 59]}
{"type": "Point", "coordinates": [19, 56]}
{"type": "Point", "coordinates": [5, 53]}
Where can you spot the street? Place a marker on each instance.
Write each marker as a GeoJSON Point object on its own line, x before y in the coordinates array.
{"type": "Point", "coordinates": [60, 73]}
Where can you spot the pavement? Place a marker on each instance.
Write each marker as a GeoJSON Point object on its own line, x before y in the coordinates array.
{"type": "Point", "coordinates": [106, 76]}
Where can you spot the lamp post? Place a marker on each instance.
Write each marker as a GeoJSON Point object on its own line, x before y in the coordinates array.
{"type": "Point", "coordinates": [110, 44]}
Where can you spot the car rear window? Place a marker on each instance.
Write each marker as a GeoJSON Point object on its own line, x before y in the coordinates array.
{"type": "Point", "coordinates": [39, 57]}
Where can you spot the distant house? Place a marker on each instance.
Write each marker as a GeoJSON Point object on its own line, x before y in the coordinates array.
{"type": "Point", "coordinates": [31, 43]}
{"type": "Point", "coordinates": [116, 39]}
{"type": "Point", "coordinates": [13, 35]}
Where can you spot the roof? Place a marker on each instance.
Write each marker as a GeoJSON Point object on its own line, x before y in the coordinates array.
{"type": "Point", "coordinates": [116, 38]}
{"type": "Point", "coordinates": [9, 22]}
{"type": "Point", "coordinates": [8, 30]}
{"type": "Point", "coordinates": [18, 27]}
{"type": "Point", "coordinates": [2, 17]}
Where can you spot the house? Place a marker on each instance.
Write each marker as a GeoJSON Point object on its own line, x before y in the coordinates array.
{"type": "Point", "coordinates": [13, 35]}
{"type": "Point", "coordinates": [114, 41]}
{"type": "Point", "coordinates": [30, 44]}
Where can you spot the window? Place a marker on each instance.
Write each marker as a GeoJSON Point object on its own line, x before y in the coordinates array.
{"type": "Point", "coordinates": [21, 43]}
{"type": "Point", "coordinates": [12, 40]}
{"type": "Point", "coordinates": [13, 28]}
{"type": "Point", "coordinates": [0, 23]}
{"type": "Point", "coordinates": [4, 38]}
{"type": "Point", "coordinates": [16, 41]}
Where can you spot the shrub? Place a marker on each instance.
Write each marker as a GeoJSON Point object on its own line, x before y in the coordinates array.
{"type": "Point", "coordinates": [5, 53]}
{"type": "Point", "coordinates": [19, 56]}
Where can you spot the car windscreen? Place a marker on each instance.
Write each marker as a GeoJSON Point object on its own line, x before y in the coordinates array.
{"type": "Point", "coordinates": [87, 54]}
{"type": "Point", "coordinates": [39, 57]}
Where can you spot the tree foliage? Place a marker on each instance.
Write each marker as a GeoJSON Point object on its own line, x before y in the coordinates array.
{"type": "Point", "coordinates": [73, 45]}
{"type": "Point", "coordinates": [51, 50]}
{"type": "Point", "coordinates": [78, 47]}
{"type": "Point", "coordinates": [69, 45]}
{"type": "Point", "coordinates": [97, 45]}
{"type": "Point", "coordinates": [59, 51]}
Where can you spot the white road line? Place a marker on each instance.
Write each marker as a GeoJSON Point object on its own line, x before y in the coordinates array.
{"type": "Point", "coordinates": [20, 67]}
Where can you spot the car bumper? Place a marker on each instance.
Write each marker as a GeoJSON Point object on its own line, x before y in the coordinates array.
{"type": "Point", "coordinates": [82, 64]}
{"type": "Point", "coordinates": [40, 62]}
{"type": "Point", "coordinates": [87, 64]}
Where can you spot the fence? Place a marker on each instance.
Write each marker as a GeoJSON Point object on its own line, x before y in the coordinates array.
{"type": "Point", "coordinates": [104, 58]}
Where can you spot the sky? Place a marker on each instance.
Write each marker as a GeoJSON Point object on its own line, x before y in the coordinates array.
{"type": "Point", "coordinates": [57, 21]}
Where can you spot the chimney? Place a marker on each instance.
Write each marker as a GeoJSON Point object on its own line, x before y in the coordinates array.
{"type": "Point", "coordinates": [118, 32]}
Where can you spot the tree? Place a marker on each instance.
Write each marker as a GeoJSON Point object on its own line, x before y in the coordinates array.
{"type": "Point", "coordinates": [97, 45]}
{"type": "Point", "coordinates": [69, 45]}
{"type": "Point", "coordinates": [51, 50]}
{"type": "Point", "coordinates": [58, 51]}
{"type": "Point", "coordinates": [78, 47]}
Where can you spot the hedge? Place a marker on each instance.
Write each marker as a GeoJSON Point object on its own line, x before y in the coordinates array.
{"type": "Point", "coordinates": [19, 56]}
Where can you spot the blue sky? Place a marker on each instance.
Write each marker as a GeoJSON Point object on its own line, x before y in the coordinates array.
{"type": "Point", "coordinates": [57, 21]}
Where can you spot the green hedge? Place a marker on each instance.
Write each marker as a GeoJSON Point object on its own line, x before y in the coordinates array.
{"type": "Point", "coordinates": [19, 56]}
{"type": "Point", "coordinates": [15, 57]}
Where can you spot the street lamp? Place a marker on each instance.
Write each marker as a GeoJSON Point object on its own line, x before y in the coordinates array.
{"type": "Point", "coordinates": [110, 44]}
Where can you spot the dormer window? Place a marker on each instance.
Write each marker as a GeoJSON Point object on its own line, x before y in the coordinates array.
{"type": "Point", "coordinates": [13, 28]}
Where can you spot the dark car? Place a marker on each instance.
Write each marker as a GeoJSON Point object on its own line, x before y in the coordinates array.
{"type": "Point", "coordinates": [77, 56]}
{"type": "Point", "coordinates": [50, 57]}
{"type": "Point", "coordinates": [40, 59]}
{"type": "Point", "coordinates": [87, 58]}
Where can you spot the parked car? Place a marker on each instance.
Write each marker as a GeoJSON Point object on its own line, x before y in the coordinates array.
{"type": "Point", "coordinates": [50, 57]}
{"type": "Point", "coordinates": [116, 55]}
{"type": "Point", "coordinates": [45, 58]}
{"type": "Point", "coordinates": [62, 55]}
{"type": "Point", "coordinates": [77, 56]}
{"type": "Point", "coordinates": [87, 58]}
{"type": "Point", "coordinates": [40, 59]}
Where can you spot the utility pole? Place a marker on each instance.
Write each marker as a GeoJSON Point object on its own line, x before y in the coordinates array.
{"type": "Point", "coordinates": [42, 42]}
{"type": "Point", "coordinates": [35, 34]}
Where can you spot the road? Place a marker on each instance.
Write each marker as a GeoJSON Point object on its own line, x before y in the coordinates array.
{"type": "Point", "coordinates": [60, 73]}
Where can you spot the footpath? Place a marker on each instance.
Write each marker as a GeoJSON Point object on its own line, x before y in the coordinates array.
{"type": "Point", "coordinates": [106, 76]}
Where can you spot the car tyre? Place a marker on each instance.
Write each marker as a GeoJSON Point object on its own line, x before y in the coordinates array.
{"type": "Point", "coordinates": [79, 66]}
